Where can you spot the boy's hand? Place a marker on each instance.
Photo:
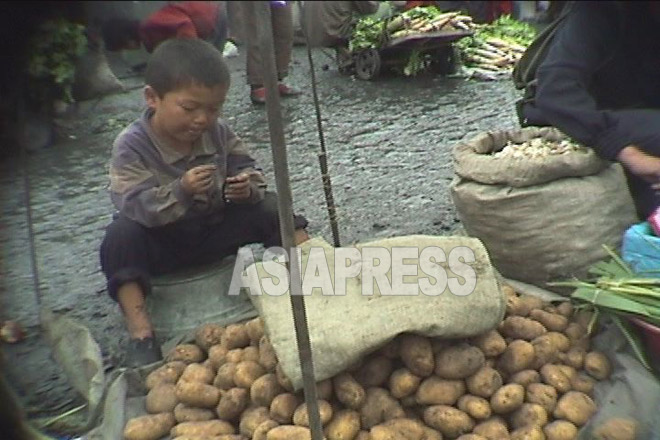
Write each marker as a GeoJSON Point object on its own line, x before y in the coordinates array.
{"type": "Point", "coordinates": [199, 179]}
{"type": "Point", "coordinates": [237, 188]}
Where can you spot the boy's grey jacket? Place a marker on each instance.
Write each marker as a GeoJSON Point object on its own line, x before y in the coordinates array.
{"type": "Point", "coordinates": [145, 174]}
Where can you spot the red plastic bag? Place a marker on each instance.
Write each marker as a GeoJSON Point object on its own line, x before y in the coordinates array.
{"type": "Point", "coordinates": [654, 221]}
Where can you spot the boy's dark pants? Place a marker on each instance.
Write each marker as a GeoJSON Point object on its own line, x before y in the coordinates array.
{"type": "Point", "coordinates": [132, 252]}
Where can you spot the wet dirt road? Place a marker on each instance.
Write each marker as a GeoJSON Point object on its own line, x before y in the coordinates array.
{"type": "Point", "coordinates": [389, 144]}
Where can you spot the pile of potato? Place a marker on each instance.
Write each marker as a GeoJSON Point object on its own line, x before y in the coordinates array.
{"type": "Point", "coordinates": [531, 378]}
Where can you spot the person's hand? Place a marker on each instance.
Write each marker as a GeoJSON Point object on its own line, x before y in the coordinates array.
{"type": "Point", "coordinates": [641, 164]}
{"type": "Point", "coordinates": [199, 179]}
{"type": "Point", "coordinates": [238, 188]}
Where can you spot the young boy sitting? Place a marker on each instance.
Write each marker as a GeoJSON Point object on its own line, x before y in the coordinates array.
{"type": "Point", "coordinates": [186, 188]}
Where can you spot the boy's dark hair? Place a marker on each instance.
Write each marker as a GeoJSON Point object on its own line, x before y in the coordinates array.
{"type": "Point", "coordinates": [180, 62]}
{"type": "Point", "coordinates": [118, 32]}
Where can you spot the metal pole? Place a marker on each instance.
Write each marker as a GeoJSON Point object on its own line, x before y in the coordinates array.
{"type": "Point", "coordinates": [261, 11]}
{"type": "Point", "coordinates": [322, 156]}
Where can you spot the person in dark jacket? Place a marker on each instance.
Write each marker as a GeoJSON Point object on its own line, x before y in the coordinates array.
{"type": "Point", "coordinates": [600, 84]}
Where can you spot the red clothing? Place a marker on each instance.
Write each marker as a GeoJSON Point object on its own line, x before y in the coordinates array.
{"type": "Point", "coordinates": [179, 20]}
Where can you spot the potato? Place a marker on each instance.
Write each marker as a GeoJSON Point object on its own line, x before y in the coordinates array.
{"type": "Point", "coordinates": [267, 356]}
{"type": "Point", "coordinates": [544, 395]}
{"type": "Point", "coordinates": [451, 422]}
{"type": "Point", "coordinates": [490, 343]}
{"type": "Point", "coordinates": [583, 383]}
{"type": "Point", "coordinates": [471, 437]}
{"type": "Point", "coordinates": [529, 432]}
{"type": "Point", "coordinates": [458, 361]}
{"type": "Point", "coordinates": [250, 354]}
{"type": "Point", "coordinates": [348, 391]}
{"type": "Point", "coordinates": [234, 356]}
{"type": "Point", "coordinates": [576, 407]}
{"type": "Point", "coordinates": [345, 425]}
{"type": "Point", "coordinates": [208, 335]}
{"type": "Point", "coordinates": [301, 418]}
{"type": "Point", "coordinates": [518, 356]}
{"type": "Point", "coordinates": [484, 382]}
{"type": "Point", "coordinates": [553, 322]}
{"type": "Point", "coordinates": [565, 308]}
{"type": "Point", "coordinates": [161, 399]}
{"type": "Point", "coordinates": [522, 305]}
{"type": "Point", "coordinates": [282, 379]}
{"type": "Point", "coordinates": [232, 403]}
{"type": "Point", "coordinates": [380, 432]}
{"type": "Point", "coordinates": [529, 414]}
{"type": "Point", "coordinates": [378, 407]}
{"type": "Point", "coordinates": [554, 376]}
{"type": "Point", "coordinates": [264, 390]}
{"type": "Point", "coordinates": [568, 371]}
{"type": "Point", "coordinates": [168, 373]}
{"type": "Point", "coordinates": [436, 391]}
{"type": "Point", "coordinates": [545, 351]}
{"type": "Point", "coordinates": [217, 355]}
{"type": "Point", "coordinates": [197, 394]}
{"type": "Point", "coordinates": [235, 336]}
{"type": "Point", "coordinates": [213, 437]}
{"type": "Point", "coordinates": [374, 371]}
{"type": "Point", "coordinates": [514, 306]}
{"type": "Point", "coordinates": [525, 377]}
{"type": "Point", "coordinates": [408, 429]}
{"type": "Point", "coordinates": [474, 406]}
{"type": "Point", "coordinates": [560, 430]}
{"type": "Point", "coordinates": [289, 433]}
{"type": "Point", "coordinates": [255, 330]}
{"type": "Point", "coordinates": [261, 433]}
{"type": "Point", "coordinates": [519, 327]}
{"type": "Point", "coordinates": [151, 427]}
{"type": "Point", "coordinates": [224, 378]}
{"type": "Point", "coordinates": [560, 340]}
{"type": "Point", "coordinates": [508, 398]}
{"type": "Point", "coordinates": [597, 365]}
{"type": "Point", "coordinates": [391, 349]}
{"type": "Point", "coordinates": [493, 429]}
{"type": "Point", "coordinates": [247, 372]}
{"type": "Point", "coordinates": [575, 331]}
{"type": "Point", "coordinates": [573, 357]}
{"type": "Point", "coordinates": [187, 353]}
{"type": "Point", "coordinates": [251, 419]}
{"type": "Point", "coordinates": [208, 428]}
{"type": "Point", "coordinates": [324, 389]}
{"type": "Point", "coordinates": [616, 429]}
{"type": "Point", "coordinates": [417, 354]}
{"type": "Point", "coordinates": [183, 413]}
{"type": "Point", "coordinates": [403, 383]}
{"type": "Point", "coordinates": [282, 408]}
{"type": "Point", "coordinates": [197, 373]}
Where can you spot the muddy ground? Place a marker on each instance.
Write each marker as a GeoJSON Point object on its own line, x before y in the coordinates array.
{"type": "Point", "coordinates": [389, 144]}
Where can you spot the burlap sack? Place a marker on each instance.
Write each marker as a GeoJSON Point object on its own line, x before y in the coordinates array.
{"type": "Point", "coordinates": [94, 78]}
{"type": "Point", "coordinates": [345, 328]}
{"type": "Point", "coordinates": [540, 219]}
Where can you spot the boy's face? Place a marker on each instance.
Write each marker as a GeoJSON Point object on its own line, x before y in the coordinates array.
{"type": "Point", "coordinates": [182, 115]}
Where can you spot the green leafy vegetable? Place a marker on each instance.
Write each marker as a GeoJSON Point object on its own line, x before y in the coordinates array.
{"type": "Point", "coordinates": [54, 50]}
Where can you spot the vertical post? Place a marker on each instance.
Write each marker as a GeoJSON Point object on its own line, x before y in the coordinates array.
{"type": "Point", "coordinates": [261, 11]}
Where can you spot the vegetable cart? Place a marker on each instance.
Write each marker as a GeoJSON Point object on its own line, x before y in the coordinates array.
{"type": "Point", "coordinates": [368, 63]}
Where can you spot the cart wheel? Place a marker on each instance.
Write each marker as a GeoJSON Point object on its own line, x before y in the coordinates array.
{"type": "Point", "coordinates": [367, 64]}
{"type": "Point", "coordinates": [345, 63]}
{"type": "Point", "coordinates": [445, 61]}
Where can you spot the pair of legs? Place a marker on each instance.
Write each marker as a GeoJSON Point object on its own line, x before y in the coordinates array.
{"type": "Point", "coordinates": [131, 253]}
{"type": "Point", "coordinates": [282, 24]}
